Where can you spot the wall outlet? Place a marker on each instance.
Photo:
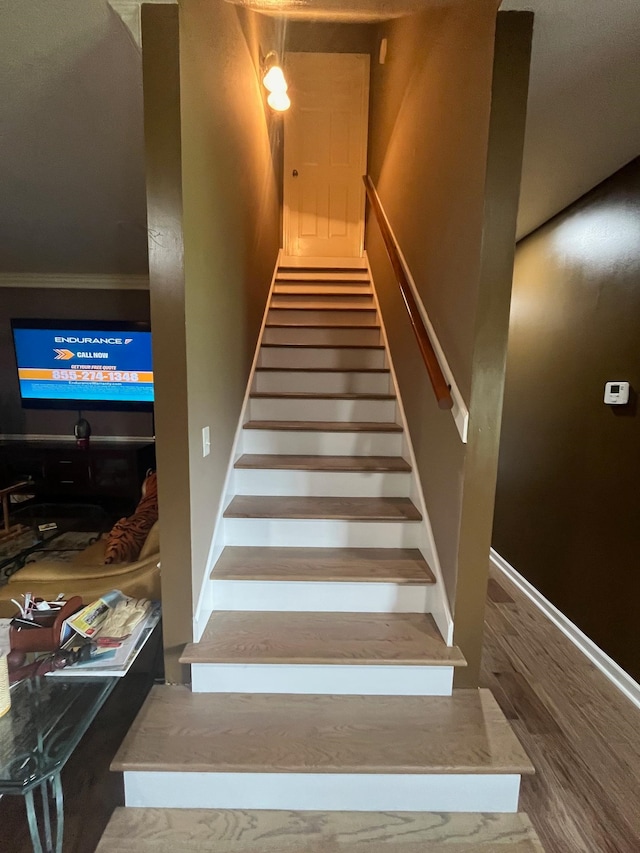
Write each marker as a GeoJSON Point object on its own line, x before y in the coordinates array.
{"type": "Point", "coordinates": [206, 441]}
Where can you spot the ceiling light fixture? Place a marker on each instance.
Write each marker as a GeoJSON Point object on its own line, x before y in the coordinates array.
{"type": "Point", "coordinates": [279, 101]}
{"type": "Point", "coordinates": [274, 81]}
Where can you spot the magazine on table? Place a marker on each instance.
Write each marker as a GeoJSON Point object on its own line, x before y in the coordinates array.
{"type": "Point", "coordinates": [106, 656]}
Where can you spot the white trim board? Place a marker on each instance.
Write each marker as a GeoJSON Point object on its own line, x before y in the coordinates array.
{"type": "Point", "coordinates": [601, 660]}
{"type": "Point", "coordinates": [74, 281]}
{"type": "Point", "coordinates": [459, 412]}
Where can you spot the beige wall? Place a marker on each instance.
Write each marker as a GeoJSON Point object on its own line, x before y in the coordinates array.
{"type": "Point", "coordinates": [427, 156]}
{"type": "Point", "coordinates": [231, 235]}
{"type": "Point", "coordinates": [568, 505]}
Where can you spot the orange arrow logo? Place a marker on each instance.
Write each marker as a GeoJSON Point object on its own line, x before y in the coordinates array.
{"type": "Point", "coordinates": [63, 354]}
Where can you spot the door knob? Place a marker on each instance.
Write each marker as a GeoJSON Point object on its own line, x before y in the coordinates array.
{"type": "Point", "coordinates": [295, 173]}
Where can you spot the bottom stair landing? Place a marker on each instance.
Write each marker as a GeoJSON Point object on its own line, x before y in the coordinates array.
{"type": "Point", "coordinates": [203, 830]}
{"type": "Point", "coordinates": [342, 753]}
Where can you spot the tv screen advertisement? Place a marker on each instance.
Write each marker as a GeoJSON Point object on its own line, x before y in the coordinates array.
{"type": "Point", "coordinates": [75, 365]}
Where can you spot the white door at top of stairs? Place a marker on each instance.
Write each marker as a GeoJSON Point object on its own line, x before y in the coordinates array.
{"type": "Point", "coordinates": [325, 154]}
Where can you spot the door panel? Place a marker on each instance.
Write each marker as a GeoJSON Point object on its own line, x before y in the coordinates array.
{"type": "Point", "coordinates": [326, 145]}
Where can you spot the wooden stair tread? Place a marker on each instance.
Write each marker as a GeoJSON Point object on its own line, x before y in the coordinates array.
{"type": "Point", "coordinates": [307, 307]}
{"type": "Point", "coordinates": [331, 302]}
{"type": "Point", "coordinates": [373, 565]}
{"type": "Point", "coordinates": [325, 426]}
{"type": "Point", "coordinates": [319, 395]}
{"type": "Point", "coordinates": [339, 508]}
{"type": "Point", "coordinates": [250, 637]}
{"type": "Point", "coordinates": [329, 274]}
{"type": "Point", "coordinates": [283, 462]}
{"type": "Point", "coordinates": [324, 346]}
{"type": "Point", "coordinates": [318, 288]}
{"type": "Point", "coordinates": [178, 730]}
{"type": "Point", "coordinates": [295, 325]}
{"type": "Point", "coordinates": [289, 369]}
{"type": "Point", "coordinates": [146, 830]}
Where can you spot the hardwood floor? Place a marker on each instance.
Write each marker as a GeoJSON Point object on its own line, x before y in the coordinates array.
{"type": "Point", "coordinates": [582, 735]}
{"type": "Point", "coordinates": [204, 831]}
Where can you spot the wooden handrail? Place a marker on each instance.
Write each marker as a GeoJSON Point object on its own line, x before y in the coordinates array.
{"type": "Point", "coordinates": [440, 386]}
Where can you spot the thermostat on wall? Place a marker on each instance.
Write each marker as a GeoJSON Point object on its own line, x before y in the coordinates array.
{"type": "Point", "coordinates": [616, 393]}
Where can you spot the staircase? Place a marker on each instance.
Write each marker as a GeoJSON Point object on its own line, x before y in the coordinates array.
{"type": "Point", "coordinates": [322, 682]}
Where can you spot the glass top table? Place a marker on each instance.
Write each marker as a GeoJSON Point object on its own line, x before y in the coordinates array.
{"type": "Point", "coordinates": [47, 719]}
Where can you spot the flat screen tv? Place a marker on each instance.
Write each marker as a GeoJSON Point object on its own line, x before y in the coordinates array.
{"type": "Point", "coordinates": [71, 364]}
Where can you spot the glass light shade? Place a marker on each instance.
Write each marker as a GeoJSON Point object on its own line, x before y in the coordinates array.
{"type": "Point", "coordinates": [279, 101]}
{"type": "Point", "coordinates": [274, 80]}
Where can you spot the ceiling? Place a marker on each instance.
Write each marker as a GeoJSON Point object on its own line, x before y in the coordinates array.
{"type": "Point", "coordinates": [355, 11]}
{"type": "Point", "coordinates": [583, 120]}
{"type": "Point", "coordinates": [71, 136]}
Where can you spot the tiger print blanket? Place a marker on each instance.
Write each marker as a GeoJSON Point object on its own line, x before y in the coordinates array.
{"type": "Point", "coordinates": [128, 535]}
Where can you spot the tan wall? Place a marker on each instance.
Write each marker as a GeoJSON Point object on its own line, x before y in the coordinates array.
{"type": "Point", "coordinates": [427, 156]}
{"type": "Point", "coordinates": [568, 504]}
{"type": "Point", "coordinates": [160, 59]}
{"type": "Point", "coordinates": [317, 37]}
{"type": "Point", "coordinates": [231, 234]}
{"type": "Point", "coordinates": [445, 153]}
{"type": "Point", "coordinates": [504, 166]}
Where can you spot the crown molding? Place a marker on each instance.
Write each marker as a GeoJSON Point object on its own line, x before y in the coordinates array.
{"type": "Point", "coordinates": [75, 281]}
{"type": "Point", "coordinates": [129, 13]}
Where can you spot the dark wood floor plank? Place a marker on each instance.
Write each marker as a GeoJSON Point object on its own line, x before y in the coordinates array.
{"type": "Point", "coordinates": [582, 734]}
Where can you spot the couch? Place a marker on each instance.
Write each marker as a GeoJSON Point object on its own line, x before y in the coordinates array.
{"type": "Point", "coordinates": [88, 576]}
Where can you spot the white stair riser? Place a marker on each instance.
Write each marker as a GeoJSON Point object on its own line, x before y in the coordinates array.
{"type": "Point", "coordinates": [321, 533]}
{"type": "Point", "coordinates": [319, 300]}
{"type": "Point", "coordinates": [265, 481]}
{"type": "Point", "coordinates": [321, 596]}
{"type": "Point", "coordinates": [323, 383]}
{"type": "Point", "coordinates": [319, 679]}
{"type": "Point", "coordinates": [346, 359]}
{"type": "Point", "coordinates": [322, 443]}
{"type": "Point", "coordinates": [334, 317]}
{"type": "Point", "coordinates": [437, 792]}
{"type": "Point", "coordinates": [321, 409]}
{"type": "Point", "coordinates": [323, 336]}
